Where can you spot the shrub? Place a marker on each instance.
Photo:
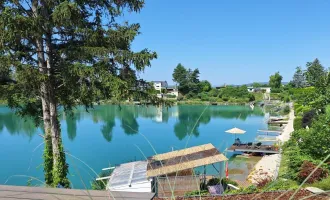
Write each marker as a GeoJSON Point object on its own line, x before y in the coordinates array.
{"type": "Point", "coordinates": [323, 184]}
{"type": "Point", "coordinates": [296, 106]}
{"type": "Point", "coordinates": [298, 110]}
{"type": "Point", "coordinates": [180, 97]}
{"type": "Point", "coordinates": [197, 193]}
{"type": "Point", "coordinates": [170, 96]}
{"type": "Point", "coordinates": [308, 118]}
{"type": "Point", "coordinates": [251, 97]}
{"type": "Point", "coordinates": [297, 123]}
{"type": "Point", "coordinates": [213, 181]}
{"type": "Point", "coordinates": [281, 185]}
{"type": "Point", "coordinates": [287, 99]}
{"type": "Point", "coordinates": [307, 168]}
{"type": "Point", "coordinates": [100, 185]}
{"type": "Point", "coordinates": [225, 99]}
{"type": "Point", "coordinates": [226, 181]}
{"type": "Point", "coordinates": [286, 110]}
{"type": "Point", "coordinates": [263, 182]}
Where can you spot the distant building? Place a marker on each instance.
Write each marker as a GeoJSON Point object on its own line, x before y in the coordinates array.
{"type": "Point", "coordinates": [172, 90]}
{"type": "Point", "coordinates": [259, 89]}
{"type": "Point", "coordinates": [159, 85]}
{"type": "Point", "coordinates": [250, 89]}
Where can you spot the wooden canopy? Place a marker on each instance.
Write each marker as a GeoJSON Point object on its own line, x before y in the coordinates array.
{"type": "Point", "coordinates": [188, 158]}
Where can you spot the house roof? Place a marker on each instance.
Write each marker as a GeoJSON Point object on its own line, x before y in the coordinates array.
{"type": "Point", "coordinates": [163, 83]}
{"type": "Point", "coordinates": [188, 158]}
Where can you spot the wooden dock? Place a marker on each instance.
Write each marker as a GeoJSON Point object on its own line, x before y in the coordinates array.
{"type": "Point", "coordinates": [39, 193]}
{"type": "Point", "coordinates": [253, 149]}
{"type": "Point", "coordinates": [269, 132]}
{"type": "Point", "coordinates": [277, 122]}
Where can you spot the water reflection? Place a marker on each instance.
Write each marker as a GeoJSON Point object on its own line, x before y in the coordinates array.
{"type": "Point", "coordinates": [188, 118]}
{"type": "Point", "coordinates": [16, 125]}
{"type": "Point", "coordinates": [71, 124]}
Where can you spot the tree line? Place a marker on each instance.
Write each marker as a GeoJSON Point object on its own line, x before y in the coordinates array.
{"type": "Point", "coordinates": [309, 144]}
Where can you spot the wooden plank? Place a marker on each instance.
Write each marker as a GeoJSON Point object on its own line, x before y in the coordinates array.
{"type": "Point", "coordinates": [252, 149]}
{"type": "Point", "coordinates": [270, 131]}
{"type": "Point", "coordinates": [103, 178]}
{"type": "Point", "coordinates": [182, 152]}
{"type": "Point", "coordinates": [39, 193]}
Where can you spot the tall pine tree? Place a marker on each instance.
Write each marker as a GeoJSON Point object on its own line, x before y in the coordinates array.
{"type": "Point", "coordinates": [68, 53]}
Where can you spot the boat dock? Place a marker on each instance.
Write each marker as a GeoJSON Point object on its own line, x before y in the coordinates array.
{"type": "Point", "coordinates": [281, 122]}
{"type": "Point", "coordinates": [269, 132]}
{"type": "Point", "coordinates": [253, 149]}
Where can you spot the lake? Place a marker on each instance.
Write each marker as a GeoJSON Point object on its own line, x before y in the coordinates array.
{"type": "Point", "coordinates": [111, 135]}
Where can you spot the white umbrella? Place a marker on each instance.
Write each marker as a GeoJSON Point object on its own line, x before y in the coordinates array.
{"type": "Point", "coordinates": [235, 131]}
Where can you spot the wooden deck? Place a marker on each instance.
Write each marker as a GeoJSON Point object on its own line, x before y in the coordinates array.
{"type": "Point", "coordinates": [38, 193]}
{"type": "Point", "coordinates": [253, 149]}
{"type": "Point", "coordinates": [277, 122]}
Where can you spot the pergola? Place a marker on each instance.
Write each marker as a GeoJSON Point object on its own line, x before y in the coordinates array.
{"type": "Point", "coordinates": [180, 160]}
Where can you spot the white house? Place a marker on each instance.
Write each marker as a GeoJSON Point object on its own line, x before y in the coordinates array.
{"type": "Point", "coordinates": [159, 85]}
{"type": "Point", "coordinates": [259, 89]}
{"type": "Point", "coordinates": [173, 91]}
{"type": "Point", "coordinates": [250, 89]}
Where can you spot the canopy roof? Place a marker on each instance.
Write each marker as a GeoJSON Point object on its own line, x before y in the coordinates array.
{"type": "Point", "coordinates": [236, 131]}
{"type": "Point", "coordinates": [130, 177]}
{"type": "Point", "coordinates": [188, 158]}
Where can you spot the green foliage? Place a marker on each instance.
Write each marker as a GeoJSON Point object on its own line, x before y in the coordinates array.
{"type": "Point", "coordinates": [48, 160]}
{"type": "Point", "coordinates": [180, 74]}
{"type": "Point", "coordinates": [286, 110]}
{"type": "Point", "coordinates": [101, 184]}
{"type": "Point", "coordinates": [170, 96]}
{"type": "Point", "coordinates": [60, 168]}
{"type": "Point", "coordinates": [234, 92]}
{"type": "Point", "coordinates": [69, 53]}
{"type": "Point", "coordinates": [188, 80]}
{"type": "Point", "coordinates": [205, 86]}
{"type": "Point", "coordinates": [275, 81]}
{"type": "Point", "coordinates": [213, 181]}
{"type": "Point", "coordinates": [281, 185]}
{"type": "Point", "coordinates": [315, 74]}
{"type": "Point", "coordinates": [323, 184]}
{"type": "Point", "coordinates": [251, 97]}
{"type": "Point", "coordinates": [226, 181]}
{"type": "Point", "coordinates": [248, 190]}
{"type": "Point", "coordinates": [316, 139]}
{"type": "Point", "coordinates": [297, 123]}
{"type": "Point", "coordinates": [299, 79]}
{"type": "Point", "coordinates": [197, 193]}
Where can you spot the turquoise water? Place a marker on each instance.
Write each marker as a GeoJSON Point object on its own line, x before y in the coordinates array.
{"type": "Point", "coordinates": [111, 135]}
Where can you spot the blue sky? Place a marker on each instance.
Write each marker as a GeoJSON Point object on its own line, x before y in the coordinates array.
{"type": "Point", "coordinates": [233, 42]}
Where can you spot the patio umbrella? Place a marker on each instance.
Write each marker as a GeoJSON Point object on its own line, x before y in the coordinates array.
{"type": "Point", "coordinates": [235, 131]}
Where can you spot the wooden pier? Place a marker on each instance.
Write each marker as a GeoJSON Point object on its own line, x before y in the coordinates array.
{"type": "Point", "coordinates": [269, 132]}
{"type": "Point", "coordinates": [245, 148]}
{"type": "Point", "coordinates": [277, 122]}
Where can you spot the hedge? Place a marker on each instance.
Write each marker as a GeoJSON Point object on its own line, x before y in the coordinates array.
{"type": "Point", "coordinates": [297, 123]}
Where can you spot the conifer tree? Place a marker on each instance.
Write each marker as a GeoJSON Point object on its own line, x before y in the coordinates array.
{"type": "Point", "coordinates": [67, 53]}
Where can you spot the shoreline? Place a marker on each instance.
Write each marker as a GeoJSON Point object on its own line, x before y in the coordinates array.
{"type": "Point", "coordinates": [268, 166]}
